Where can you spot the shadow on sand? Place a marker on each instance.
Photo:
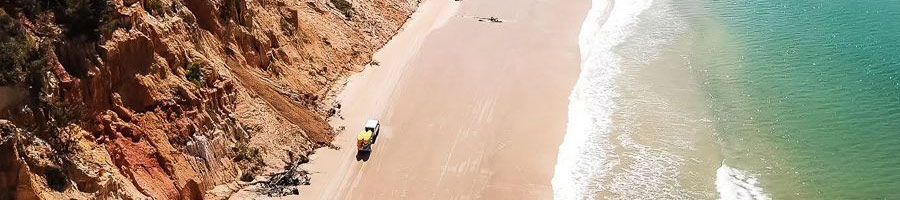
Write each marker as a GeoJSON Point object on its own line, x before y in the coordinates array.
{"type": "Point", "coordinates": [363, 155]}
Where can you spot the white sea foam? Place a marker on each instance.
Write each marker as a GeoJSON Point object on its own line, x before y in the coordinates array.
{"type": "Point", "coordinates": [591, 163]}
{"type": "Point", "coordinates": [585, 154]}
{"type": "Point", "coordinates": [736, 184]}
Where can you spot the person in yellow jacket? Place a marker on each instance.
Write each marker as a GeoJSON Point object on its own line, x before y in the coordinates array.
{"type": "Point", "coordinates": [364, 140]}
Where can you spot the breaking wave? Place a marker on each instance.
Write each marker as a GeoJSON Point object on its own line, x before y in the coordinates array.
{"type": "Point", "coordinates": [584, 156]}
{"type": "Point", "coordinates": [736, 184]}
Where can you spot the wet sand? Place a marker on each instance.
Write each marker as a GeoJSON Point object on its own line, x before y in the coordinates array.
{"type": "Point", "coordinates": [469, 109]}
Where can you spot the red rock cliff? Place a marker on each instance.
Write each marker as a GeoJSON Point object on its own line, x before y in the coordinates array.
{"type": "Point", "coordinates": [168, 99]}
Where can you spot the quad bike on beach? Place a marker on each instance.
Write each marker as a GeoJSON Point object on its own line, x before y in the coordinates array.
{"type": "Point", "coordinates": [366, 138]}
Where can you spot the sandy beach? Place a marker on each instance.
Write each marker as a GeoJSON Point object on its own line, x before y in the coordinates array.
{"type": "Point", "coordinates": [470, 109]}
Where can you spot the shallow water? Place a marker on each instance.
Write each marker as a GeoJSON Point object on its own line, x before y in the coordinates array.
{"type": "Point", "coordinates": [638, 126]}
{"type": "Point", "coordinates": [812, 102]}
{"type": "Point", "coordinates": [735, 99]}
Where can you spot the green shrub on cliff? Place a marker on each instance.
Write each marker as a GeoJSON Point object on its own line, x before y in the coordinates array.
{"type": "Point", "coordinates": [15, 51]}
{"type": "Point", "coordinates": [21, 62]}
{"type": "Point", "coordinates": [195, 74]}
{"type": "Point", "coordinates": [58, 25]}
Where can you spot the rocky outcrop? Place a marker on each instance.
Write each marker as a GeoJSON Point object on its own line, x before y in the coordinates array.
{"type": "Point", "coordinates": [163, 99]}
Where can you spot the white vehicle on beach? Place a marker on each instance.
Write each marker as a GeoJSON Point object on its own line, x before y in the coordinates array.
{"type": "Point", "coordinates": [367, 137]}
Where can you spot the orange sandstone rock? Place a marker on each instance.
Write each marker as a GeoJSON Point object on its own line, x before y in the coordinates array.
{"type": "Point", "coordinates": [169, 99]}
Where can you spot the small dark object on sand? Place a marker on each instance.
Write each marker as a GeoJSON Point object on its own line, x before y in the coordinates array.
{"type": "Point", "coordinates": [286, 182]}
{"type": "Point", "coordinates": [489, 19]}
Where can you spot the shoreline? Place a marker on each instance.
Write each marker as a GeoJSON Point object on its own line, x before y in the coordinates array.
{"type": "Point", "coordinates": [450, 93]}
{"type": "Point", "coordinates": [638, 126]}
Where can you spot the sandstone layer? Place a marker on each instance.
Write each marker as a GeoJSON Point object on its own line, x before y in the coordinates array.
{"type": "Point", "coordinates": [183, 99]}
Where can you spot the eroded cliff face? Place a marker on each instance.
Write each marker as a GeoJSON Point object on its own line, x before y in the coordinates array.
{"type": "Point", "coordinates": [173, 99]}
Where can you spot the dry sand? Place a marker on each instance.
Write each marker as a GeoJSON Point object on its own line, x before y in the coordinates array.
{"type": "Point", "coordinates": [469, 109]}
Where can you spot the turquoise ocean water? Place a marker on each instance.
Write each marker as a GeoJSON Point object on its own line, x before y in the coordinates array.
{"type": "Point", "coordinates": [805, 93]}
{"type": "Point", "coordinates": [798, 100]}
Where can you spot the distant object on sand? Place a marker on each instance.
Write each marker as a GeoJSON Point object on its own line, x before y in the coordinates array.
{"type": "Point", "coordinates": [489, 19]}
